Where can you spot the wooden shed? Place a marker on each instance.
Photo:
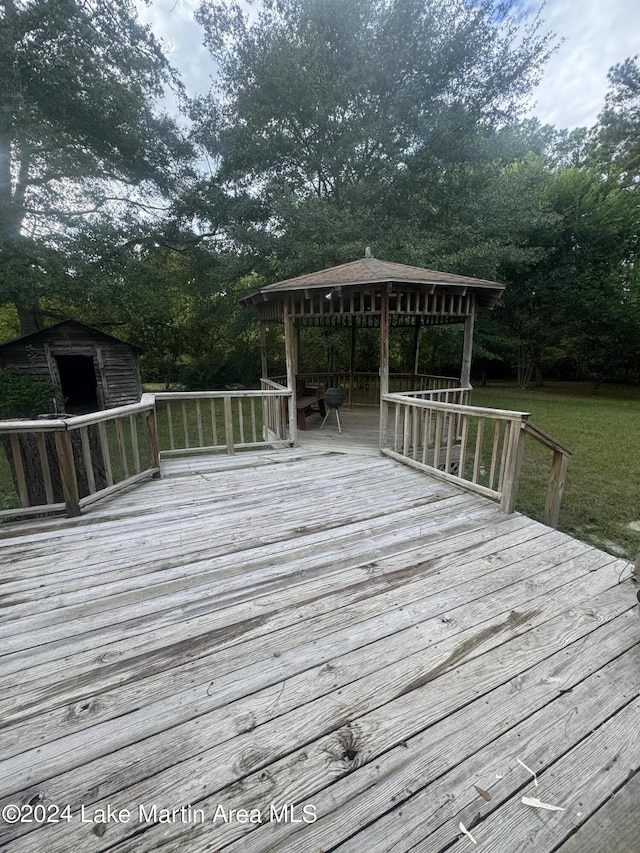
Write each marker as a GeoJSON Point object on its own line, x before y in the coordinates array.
{"type": "Point", "coordinates": [89, 369]}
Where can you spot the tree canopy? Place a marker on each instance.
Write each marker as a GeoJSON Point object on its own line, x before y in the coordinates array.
{"type": "Point", "coordinates": [319, 95]}
{"type": "Point", "coordinates": [80, 141]}
{"type": "Point", "coordinates": [332, 125]}
{"type": "Point", "coordinates": [346, 104]}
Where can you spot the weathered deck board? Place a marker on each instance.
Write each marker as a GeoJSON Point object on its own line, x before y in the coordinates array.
{"type": "Point", "coordinates": [307, 585]}
{"type": "Point", "coordinates": [399, 786]}
{"type": "Point", "coordinates": [307, 769]}
{"type": "Point", "coordinates": [443, 653]}
{"type": "Point", "coordinates": [614, 827]}
{"type": "Point", "coordinates": [321, 627]}
{"type": "Point", "coordinates": [366, 597]}
{"type": "Point", "coordinates": [163, 544]}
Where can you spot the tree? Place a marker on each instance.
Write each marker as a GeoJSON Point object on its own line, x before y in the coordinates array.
{"type": "Point", "coordinates": [594, 269]}
{"type": "Point", "coordinates": [80, 144]}
{"type": "Point", "coordinates": [188, 318]}
{"type": "Point", "coordinates": [617, 137]}
{"type": "Point", "coordinates": [329, 108]}
{"type": "Point", "coordinates": [573, 295]}
{"type": "Point", "coordinates": [508, 233]}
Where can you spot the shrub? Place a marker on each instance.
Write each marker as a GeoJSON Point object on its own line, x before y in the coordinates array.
{"type": "Point", "coordinates": [23, 396]}
{"type": "Point", "coordinates": [211, 373]}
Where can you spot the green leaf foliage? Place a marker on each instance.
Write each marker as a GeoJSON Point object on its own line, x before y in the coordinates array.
{"type": "Point", "coordinates": [24, 397]}
{"type": "Point", "coordinates": [355, 121]}
{"type": "Point", "coordinates": [80, 141]}
{"type": "Point", "coordinates": [317, 96]}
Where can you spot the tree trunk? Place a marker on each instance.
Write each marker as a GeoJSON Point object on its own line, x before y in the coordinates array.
{"type": "Point", "coordinates": [539, 379]}
{"type": "Point", "coordinates": [30, 317]}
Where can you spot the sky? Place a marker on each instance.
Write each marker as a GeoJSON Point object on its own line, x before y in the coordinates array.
{"type": "Point", "coordinates": [596, 34]}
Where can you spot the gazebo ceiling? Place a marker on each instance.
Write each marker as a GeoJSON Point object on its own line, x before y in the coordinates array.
{"type": "Point", "coordinates": [370, 275]}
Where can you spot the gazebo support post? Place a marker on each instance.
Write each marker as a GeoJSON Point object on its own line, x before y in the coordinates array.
{"type": "Point", "coordinates": [264, 369]}
{"type": "Point", "coordinates": [416, 351]}
{"type": "Point", "coordinates": [263, 351]}
{"type": "Point", "coordinates": [290, 355]}
{"type": "Point", "coordinates": [352, 362]}
{"type": "Point", "coordinates": [467, 348]}
{"type": "Point", "coordinates": [384, 366]}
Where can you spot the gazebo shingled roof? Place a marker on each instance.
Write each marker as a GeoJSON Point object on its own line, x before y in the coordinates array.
{"type": "Point", "coordinates": [370, 271]}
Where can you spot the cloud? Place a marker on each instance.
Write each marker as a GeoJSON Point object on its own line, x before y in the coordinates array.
{"type": "Point", "coordinates": [174, 25]}
{"type": "Point", "coordinates": [597, 34]}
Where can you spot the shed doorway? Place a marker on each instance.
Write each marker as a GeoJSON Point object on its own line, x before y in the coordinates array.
{"type": "Point", "coordinates": [78, 383]}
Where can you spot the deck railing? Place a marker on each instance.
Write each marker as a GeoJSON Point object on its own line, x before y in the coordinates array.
{"type": "Point", "coordinates": [65, 464]}
{"type": "Point", "coordinates": [275, 412]}
{"type": "Point", "coordinates": [559, 463]}
{"type": "Point", "coordinates": [458, 395]}
{"type": "Point", "coordinates": [363, 388]}
{"type": "Point", "coordinates": [478, 448]}
{"type": "Point", "coordinates": [213, 421]}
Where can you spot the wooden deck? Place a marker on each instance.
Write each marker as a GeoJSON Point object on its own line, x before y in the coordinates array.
{"type": "Point", "coordinates": [324, 629]}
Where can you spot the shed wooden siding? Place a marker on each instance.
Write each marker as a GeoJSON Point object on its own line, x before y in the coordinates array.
{"type": "Point", "coordinates": [115, 362]}
{"type": "Point", "coordinates": [121, 374]}
{"type": "Point", "coordinates": [25, 360]}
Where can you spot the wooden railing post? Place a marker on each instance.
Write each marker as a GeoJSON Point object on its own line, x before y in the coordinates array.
{"type": "Point", "coordinates": [23, 492]}
{"type": "Point", "coordinates": [151, 423]}
{"type": "Point", "coordinates": [555, 489]}
{"type": "Point", "coordinates": [558, 472]}
{"type": "Point", "coordinates": [265, 410]}
{"type": "Point", "coordinates": [513, 466]}
{"type": "Point", "coordinates": [228, 425]}
{"type": "Point", "coordinates": [68, 477]}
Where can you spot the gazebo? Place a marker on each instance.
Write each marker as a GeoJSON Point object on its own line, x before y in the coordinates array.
{"type": "Point", "coordinates": [372, 293]}
{"type": "Point", "coordinates": [431, 428]}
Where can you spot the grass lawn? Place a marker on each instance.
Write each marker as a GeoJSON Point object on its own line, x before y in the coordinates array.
{"type": "Point", "coordinates": [602, 428]}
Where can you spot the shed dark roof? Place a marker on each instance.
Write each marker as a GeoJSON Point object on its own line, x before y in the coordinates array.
{"type": "Point", "coordinates": [371, 271]}
{"type": "Point", "coordinates": [59, 327]}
